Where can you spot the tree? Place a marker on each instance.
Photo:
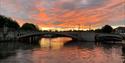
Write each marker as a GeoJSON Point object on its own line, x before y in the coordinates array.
{"type": "Point", "coordinates": [29, 26]}
{"type": "Point", "coordinates": [98, 30]}
{"type": "Point", "coordinates": [107, 29]}
{"type": "Point", "coordinates": [8, 22]}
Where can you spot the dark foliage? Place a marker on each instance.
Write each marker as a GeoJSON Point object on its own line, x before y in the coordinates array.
{"type": "Point", "coordinates": [8, 22]}
{"type": "Point", "coordinates": [29, 26]}
{"type": "Point", "coordinates": [107, 29]}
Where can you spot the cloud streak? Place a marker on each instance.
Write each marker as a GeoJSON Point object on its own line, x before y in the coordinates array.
{"type": "Point", "coordinates": [65, 13]}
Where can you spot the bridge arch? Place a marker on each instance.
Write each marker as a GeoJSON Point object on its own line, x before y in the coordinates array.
{"type": "Point", "coordinates": [43, 34]}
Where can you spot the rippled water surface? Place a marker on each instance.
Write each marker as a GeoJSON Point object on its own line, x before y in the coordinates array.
{"type": "Point", "coordinates": [52, 50]}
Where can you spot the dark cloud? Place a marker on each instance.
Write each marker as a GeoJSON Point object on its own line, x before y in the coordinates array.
{"type": "Point", "coordinates": [53, 22]}
{"type": "Point", "coordinates": [59, 12]}
{"type": "Point", "coordinates": [82, 4]}
{"type": "Point", "coordinates": [57, 22]}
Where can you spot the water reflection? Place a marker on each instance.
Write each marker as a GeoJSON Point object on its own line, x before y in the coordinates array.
{"type": "Point", "coordinates": [54, 43]}
{"type": "Point", "coordinates": [76, 55]}
{"type": "Point", "coordinates": [53, 51]}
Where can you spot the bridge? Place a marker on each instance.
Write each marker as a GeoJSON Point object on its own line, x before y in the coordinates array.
{"type": "Point", "coordinates": [81, 36]}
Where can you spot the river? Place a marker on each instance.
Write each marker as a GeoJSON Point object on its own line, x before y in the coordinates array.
{"type": "Point", "coordinates": [61, 50]}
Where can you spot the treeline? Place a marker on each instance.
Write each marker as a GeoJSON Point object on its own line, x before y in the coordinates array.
{"type": "Point", "coordinates": [105, 29]}
{"type": "Point", "coordinates": [12, 24]}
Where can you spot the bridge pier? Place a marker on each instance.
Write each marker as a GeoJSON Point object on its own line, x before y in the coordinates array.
{"type": "Point", "coordinates": [29, 40]}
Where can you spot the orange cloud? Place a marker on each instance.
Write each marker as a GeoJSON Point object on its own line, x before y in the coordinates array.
{"type": "Point", "coordinates": [68, 13]}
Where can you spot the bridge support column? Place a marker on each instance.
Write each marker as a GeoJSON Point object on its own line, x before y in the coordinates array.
{"type": "Point", "coordinates": [30, 39]}
{"type": "Point", "coordinates": [33, 38]}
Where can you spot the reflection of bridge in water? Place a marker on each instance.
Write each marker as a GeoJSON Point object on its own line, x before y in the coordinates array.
{"type": "Point", "coordinates": [81, 36]}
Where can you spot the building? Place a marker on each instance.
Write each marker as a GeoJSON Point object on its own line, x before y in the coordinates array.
{"type": "Point", "coordinates": [120, 30]}
{"type": "Point", "coordinates": [7, 33]}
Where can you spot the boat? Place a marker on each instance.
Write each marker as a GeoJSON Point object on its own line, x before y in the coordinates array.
{"type": "Point", "coordinates": [108, 37]}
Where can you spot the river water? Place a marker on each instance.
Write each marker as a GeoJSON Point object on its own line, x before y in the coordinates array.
{"type": "Point", "coordinates": [60, 50]}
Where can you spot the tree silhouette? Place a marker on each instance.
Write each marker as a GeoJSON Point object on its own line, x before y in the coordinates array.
{"type": "Point", "coordinates": [98, 30]}
{"type": "Point", "coordinates": [29, 26]}
{"type": "Point", "coordinates": [107, 29]}
{"type": "Point", "coordinates": [8, 22]}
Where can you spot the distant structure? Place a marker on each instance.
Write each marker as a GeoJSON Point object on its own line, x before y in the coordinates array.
{"type": "Point", "coordinates": [120, 30]}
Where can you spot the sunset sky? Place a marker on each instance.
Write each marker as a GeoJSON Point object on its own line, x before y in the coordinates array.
{"type": "Point", "coordinates": [65, 13]}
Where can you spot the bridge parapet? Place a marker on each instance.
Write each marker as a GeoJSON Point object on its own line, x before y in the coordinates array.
{"type": "Point", "coordinates": [82, 36]}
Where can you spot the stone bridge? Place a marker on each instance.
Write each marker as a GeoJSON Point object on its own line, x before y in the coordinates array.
{"type": "Point", "coordinates": [81, 36]}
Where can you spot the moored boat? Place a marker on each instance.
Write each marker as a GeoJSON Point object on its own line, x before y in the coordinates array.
{"type": "Point", "coordinates": [108, 37]}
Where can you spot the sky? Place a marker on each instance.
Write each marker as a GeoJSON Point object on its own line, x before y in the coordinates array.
{"type": "Point", "coordinates": [65, 13]}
